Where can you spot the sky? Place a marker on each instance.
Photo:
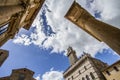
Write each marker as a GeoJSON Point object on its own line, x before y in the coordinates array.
{"type": "Point", "coordinates": [43, 48]}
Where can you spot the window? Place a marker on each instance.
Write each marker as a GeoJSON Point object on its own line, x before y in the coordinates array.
{"type": "Point", "coordinates": [3, 29]}
{"type": "Point", "coordinates": [68, 78]}
{"type": "Point", "coordinates": [83, 78]}
{"type": "Point", "coordinates": [116, 68]}
{"type": "Point", "coordinates": [79, 72]}
{"type": "Point", "coordinates": [92, 76]}
{"type": "Point", "coordinates": [108, 72]}
{"type": "Point", "coordinates": [24, 70]}
{"type": "Point", "coordinates": [21, 77]}
{"type": "Point", "coordinates": [1, 53]}
{"type": "Point", "coordinates": [85, 67]}
{"type": "Point", "coordinates": [87, 77]}
{"type": "Point", "coordinates": [72, 77]}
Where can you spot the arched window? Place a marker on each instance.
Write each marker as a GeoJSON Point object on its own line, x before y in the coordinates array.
{"type": "Point", "coordinates": [108, 72]}
{"type": "Point", "coordinates": [87, 77]}
{"type": "Point", "coordinates": [92, 76]}
{"type": "Point", "coordinates": [72, 78]}
{"type": "Point", "coordinates": [116, 68]}
{"type": "Point", "coordinates": [83, 78]}
{"type": "Point", "coordinates": [21, 77]}
{"type": "Point", "coordinates": [1, 53]}
{"type": "Point", "coordinates": [68, 78]}
{"type": "Point", "coordinates": [85, 68]}
{"type": "Point", "coordinates": [79, 72]}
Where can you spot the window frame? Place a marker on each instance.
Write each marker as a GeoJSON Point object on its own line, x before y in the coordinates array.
{"type": "Point", "coordinates": [92, 76]}
{"type": "Point", "coordinates": [4, 28]}
{"type": "Point", "coordinates": [21, 76]}
{"type": "Point", "coordinates": [115, 68]}
{"type": "Point", "coordinates": [108, 73]}
{"type": "Point", "coordinates": [87, 77]}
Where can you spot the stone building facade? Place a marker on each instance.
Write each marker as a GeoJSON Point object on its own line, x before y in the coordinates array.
{"type": "Point", "coordinates": [113, 72]}
{"type": "Point", "coordinates": [15, 14]}
{"type": "Point", "coordinates": [3, 56]}
{"type": "Point", "coordinates": [20, 74]}
{"type": "Point", "coordinates": [84, 68]}
{"type": "Point", "coordinates": [98, 29]}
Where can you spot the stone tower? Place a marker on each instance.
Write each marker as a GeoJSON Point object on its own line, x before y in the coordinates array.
{"type": "Point", "coordinates": [84, 68]}
{"type": "Point", "coordinates": [71, 55]}
{"type": "Point", "coordinates": [20, 74]}
{"type": "Point", "coordinates": [99, 30]}
{"type": "Point", "coordinates": [3, 56]}
{"type": "Point", "coordinates": [15, 14]}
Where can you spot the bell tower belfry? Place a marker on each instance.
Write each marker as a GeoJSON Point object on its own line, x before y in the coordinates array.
{"type": "Point", "coordinates": [71, 55]}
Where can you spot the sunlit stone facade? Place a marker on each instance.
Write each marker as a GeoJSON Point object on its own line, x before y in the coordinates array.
{"type": "Point", "coordinates": [15, 14]}
{"type": "Point", "coordinates": [113, 72]}
{"type": "Point", "coordinates": [84, 68]}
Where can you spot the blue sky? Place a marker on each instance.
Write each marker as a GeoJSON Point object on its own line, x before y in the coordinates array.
{"type": "Point", "coordinates": [32, 57]}
{"type": "Point", "coordinates": [40, 60]}
{"type": "Point", "coordinates": [43, 48]}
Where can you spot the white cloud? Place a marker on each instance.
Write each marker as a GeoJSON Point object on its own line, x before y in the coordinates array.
{"type": "Point", "coordinates": [51, 75]}
{"type": "Point", "coordinates": [38, 77]}
{"type": "Point", "coordinates": [23, 39]}
{"type": "Point", "coordinates": [110, 10]}
{"type": "Point", "coordinates": [67, 34]}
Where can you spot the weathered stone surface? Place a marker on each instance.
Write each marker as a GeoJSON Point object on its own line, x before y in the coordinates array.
{"type": "Point", "coordinates": [84, 67]}
{"type": "Point", "coordinates": [17, 14]}
{"type": "Point", "coordinates": [99, 30]}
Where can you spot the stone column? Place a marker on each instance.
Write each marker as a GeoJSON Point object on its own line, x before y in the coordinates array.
{"type": "Point", "coordinates": [100, 30]}
{"type": "Point", "coordinates": [106, 33]}
{"type": "Point", "coordinates": [8, 11]}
